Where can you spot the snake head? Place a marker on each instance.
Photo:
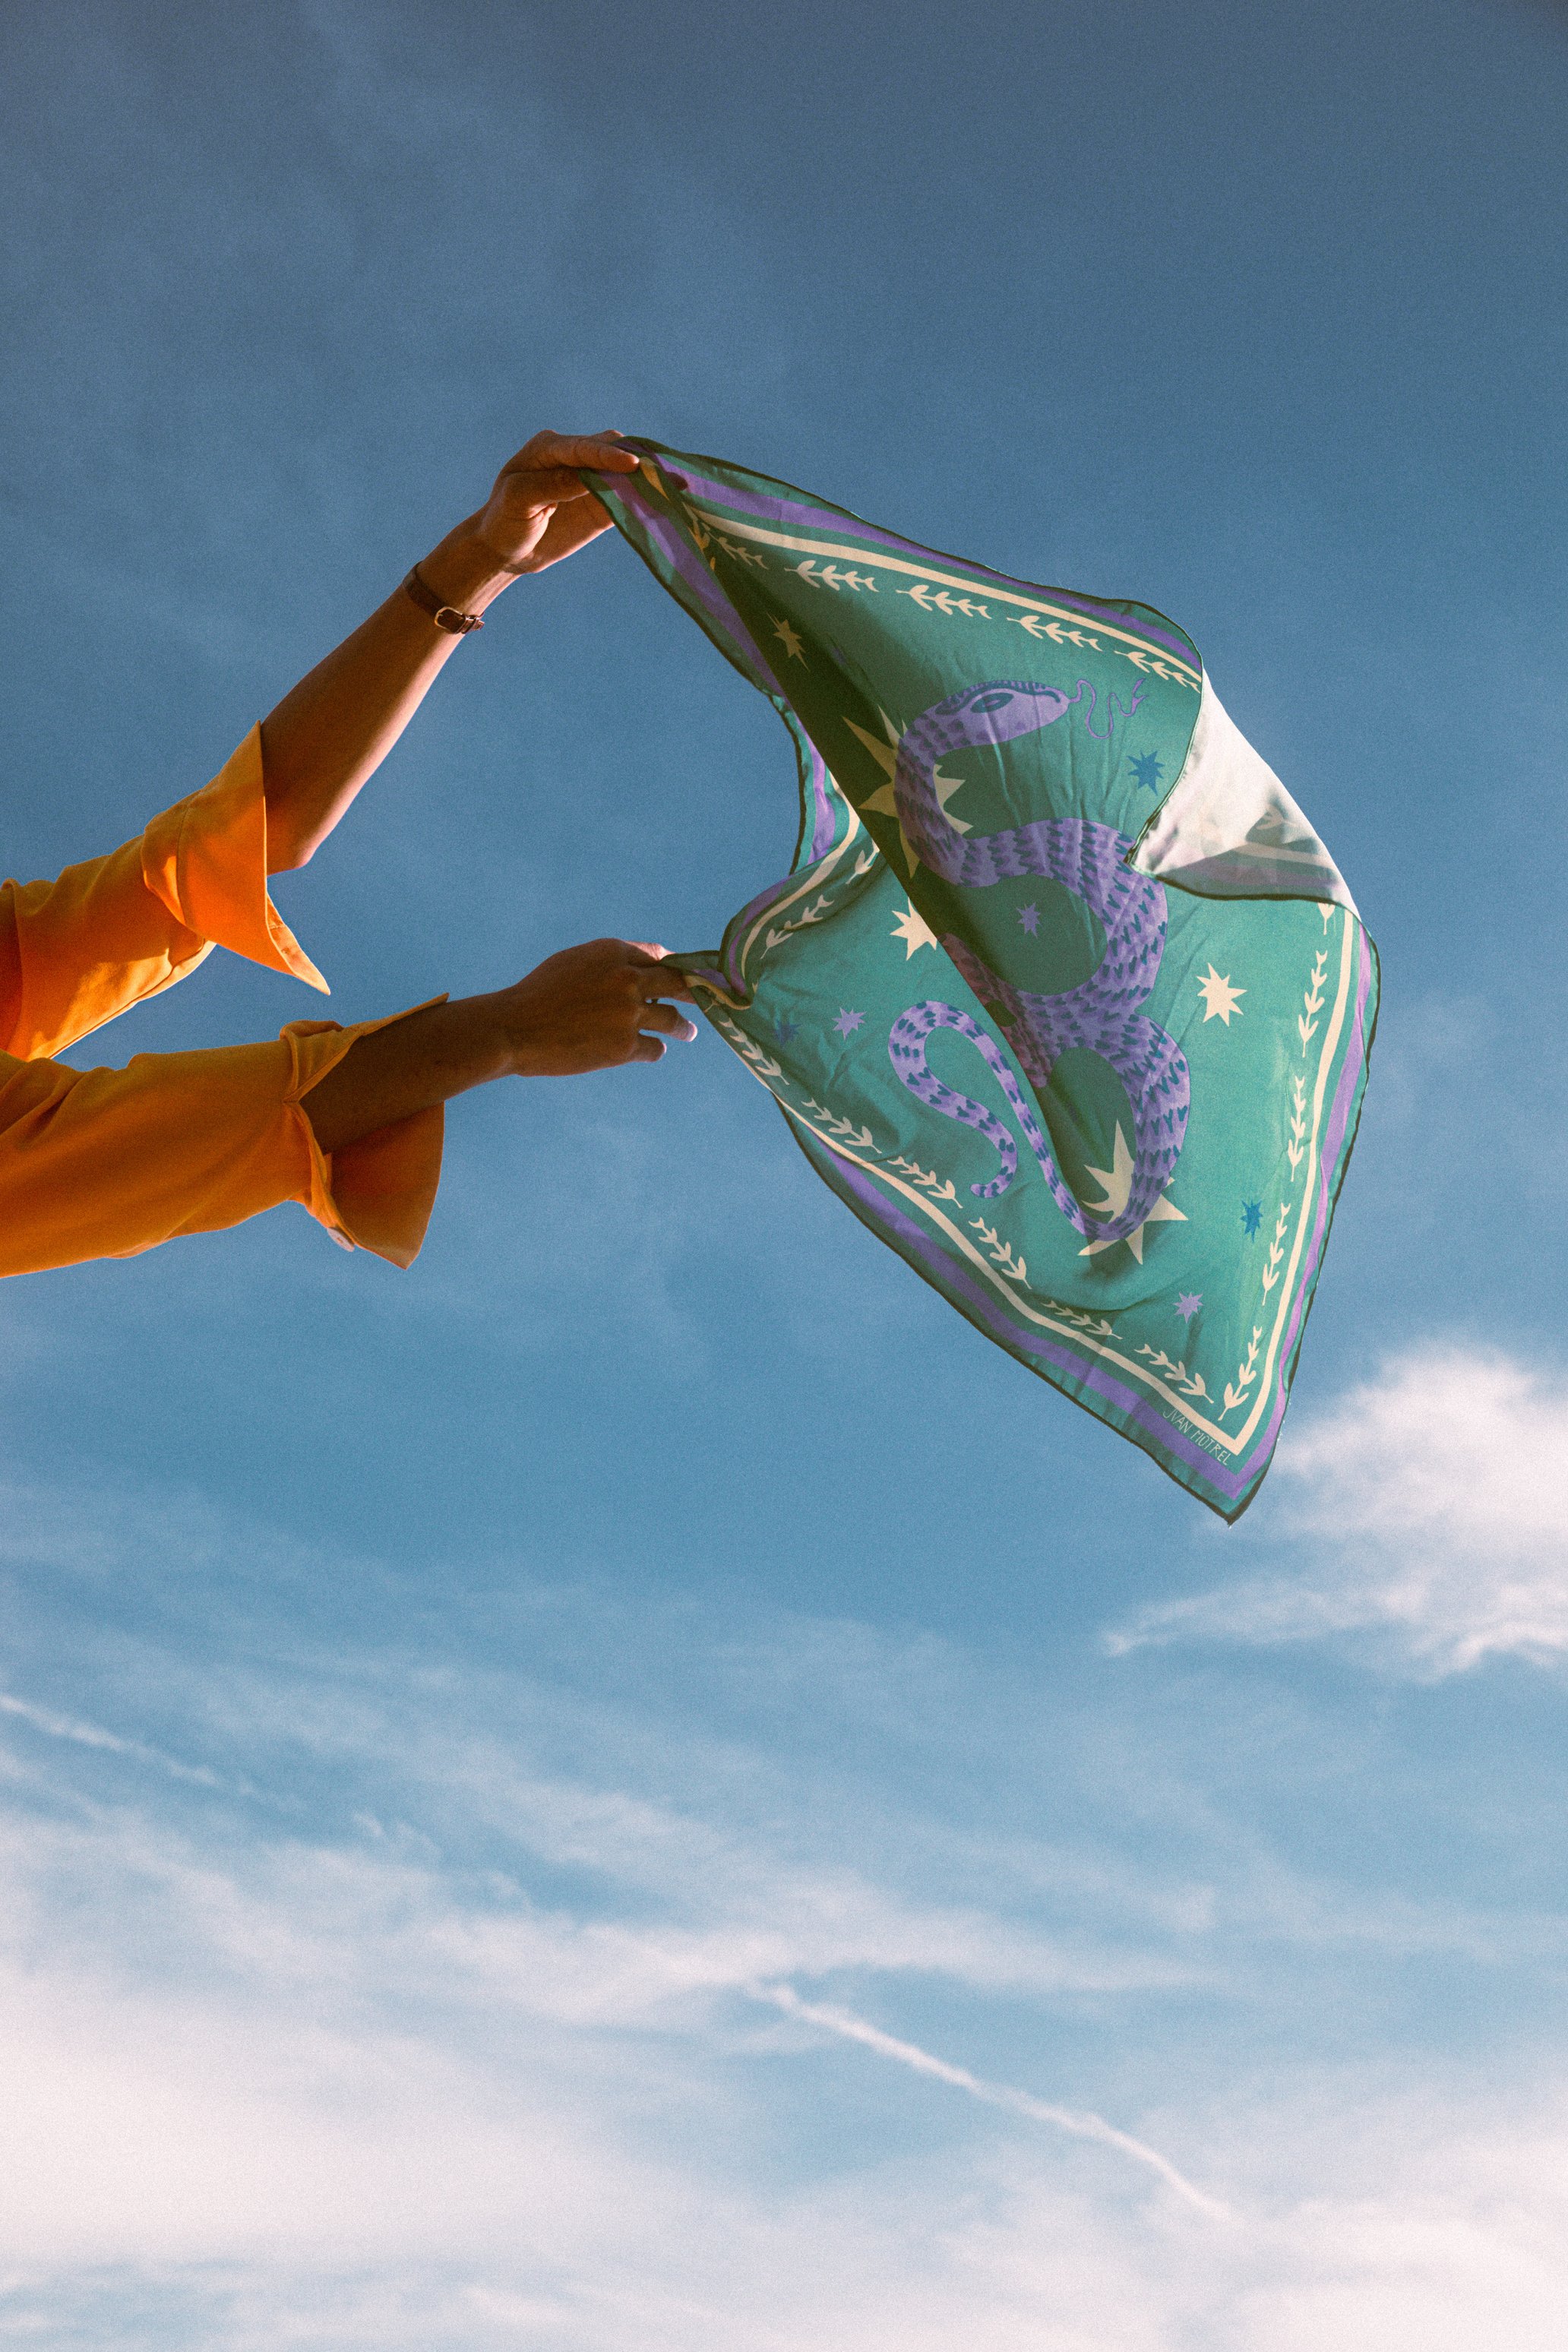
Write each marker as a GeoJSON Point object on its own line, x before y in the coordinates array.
{"type": "Point", "coordinates": [1005, 707]}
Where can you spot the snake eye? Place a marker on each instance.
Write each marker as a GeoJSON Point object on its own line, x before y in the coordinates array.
{"type": "Point", "coordinates": [991, 702]}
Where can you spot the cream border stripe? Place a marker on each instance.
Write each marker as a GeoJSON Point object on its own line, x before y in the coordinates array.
{"type": "Point", "coordinates": [982, 1265]}
{"type": "Point", "coordinates": [874, 556]}
{"type": "Point", "coordinates": [814, 874]}
{"type": "Point", "coordinates": [1288, 1288]}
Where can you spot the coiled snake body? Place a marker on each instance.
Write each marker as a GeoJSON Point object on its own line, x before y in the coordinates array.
{"type": "Point", "coordinates": [1103, 1014]}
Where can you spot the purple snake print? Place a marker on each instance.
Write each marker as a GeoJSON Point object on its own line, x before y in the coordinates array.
{"type": "Point", "coordinates": [1103, 1015]}
{"type": "Point", "coordinates": [907, 1046]}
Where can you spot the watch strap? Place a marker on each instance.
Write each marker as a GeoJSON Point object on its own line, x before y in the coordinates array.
{"type": "Point", "coordinates": [445, 616]}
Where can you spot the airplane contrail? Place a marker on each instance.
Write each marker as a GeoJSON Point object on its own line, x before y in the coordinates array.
{"type": "Point", "coordinates": [1081, 2124]}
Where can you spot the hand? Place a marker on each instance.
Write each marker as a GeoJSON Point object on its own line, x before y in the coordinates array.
{"type": "Point", "coordinates": [588, 1008]}
{"type": "Point", "coordinates": [591, 1008]}
{"type": "Point", "coordinates": [540, 508]}
{"type": "Point", "coordinates": [331, 734]}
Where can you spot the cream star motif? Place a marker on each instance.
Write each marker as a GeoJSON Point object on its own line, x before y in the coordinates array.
{"type": "Point", "coordinates": [1116, 1183]}
{"type": "Point", "coordinates": [1220, 999]}
{"type": "Point", "coordinates": [885, 801]}
{"type": "Point", "coordinates": [914, 931]}
{"type": "Point", "coordinates": [789, 639]}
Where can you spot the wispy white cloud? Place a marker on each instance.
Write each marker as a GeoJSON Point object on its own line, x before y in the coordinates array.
{"type": "Point", "coordinates": [1430, 1510]}
{"type": "Point", "coordinates": [349, 2092]}
{"type": "Point", "coordinates": [429, 2003]}
{"type": "Point", "coordinates": [92, 1735]}
{"type": "Point", "coordinates": [228, 2191]}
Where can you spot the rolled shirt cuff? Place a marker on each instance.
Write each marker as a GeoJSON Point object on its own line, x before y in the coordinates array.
{"type": "Point", "coordinates": [206, 858]}
{"type": "Point", "coordinates": [377, 1192]}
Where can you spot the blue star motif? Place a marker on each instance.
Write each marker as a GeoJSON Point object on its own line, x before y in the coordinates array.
{"type": "Point", "coordinates": [1252, 1216]}
{"type": "Point", "coordinates": [784, 1030]}
{"type": "Point", "coordinates": [1148, 768]}
{"type": "Point", "coordinates": [847, 1023]}
{"type": "Point", "coordinates": [1029, 917]}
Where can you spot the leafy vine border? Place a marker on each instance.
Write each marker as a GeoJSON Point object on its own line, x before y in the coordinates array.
{"type": "Point", "coordinates": [1191, 1384]}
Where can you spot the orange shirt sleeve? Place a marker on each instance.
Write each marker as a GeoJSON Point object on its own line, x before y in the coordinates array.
{"type": "Point", "coordinates": [105, 1163]}
{"type": "Point", "coordinates": [75, 953]}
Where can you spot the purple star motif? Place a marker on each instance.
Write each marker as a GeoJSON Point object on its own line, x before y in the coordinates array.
{"type": "Point", "coordinates": [847, 1023]}
{"type": "Point", "coordinates": [1252, 1216]}
{"type": "Point", "coordinates": [1188, 1304]}
{"type": "Point", "coordinates": [1029, 917]}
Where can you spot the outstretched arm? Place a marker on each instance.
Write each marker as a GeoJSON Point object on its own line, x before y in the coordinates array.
{"type": "Point", "coordinates": [103, 1163]}
{"type": "Point", "coordinates": [588, 1008]}
{"type": "Point", "coordinates": [329, 735]}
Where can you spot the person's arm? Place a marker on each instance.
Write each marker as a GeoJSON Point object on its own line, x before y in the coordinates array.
{"type": "Point", "coordinates": [76, 952]}
{"type": "Point", "coordinates": [348, 1122]}
{"type": "Point", "coordinates": [589, 1008]}
{"type": "Point", "coordinates": [326, 738]}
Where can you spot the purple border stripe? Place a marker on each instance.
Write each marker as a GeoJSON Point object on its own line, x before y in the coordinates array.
{"type": "Point", "coordinates": [666, 538]}
{"type": "Point", "coordinates": [825, 831]}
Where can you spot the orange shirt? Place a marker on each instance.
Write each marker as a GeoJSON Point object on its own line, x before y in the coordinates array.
{"type": "Point", "coordinates": [103, 1163]}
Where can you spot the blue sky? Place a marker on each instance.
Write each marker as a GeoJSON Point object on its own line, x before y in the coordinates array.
{"type": "Point", "coordinates": [516, 1781]}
